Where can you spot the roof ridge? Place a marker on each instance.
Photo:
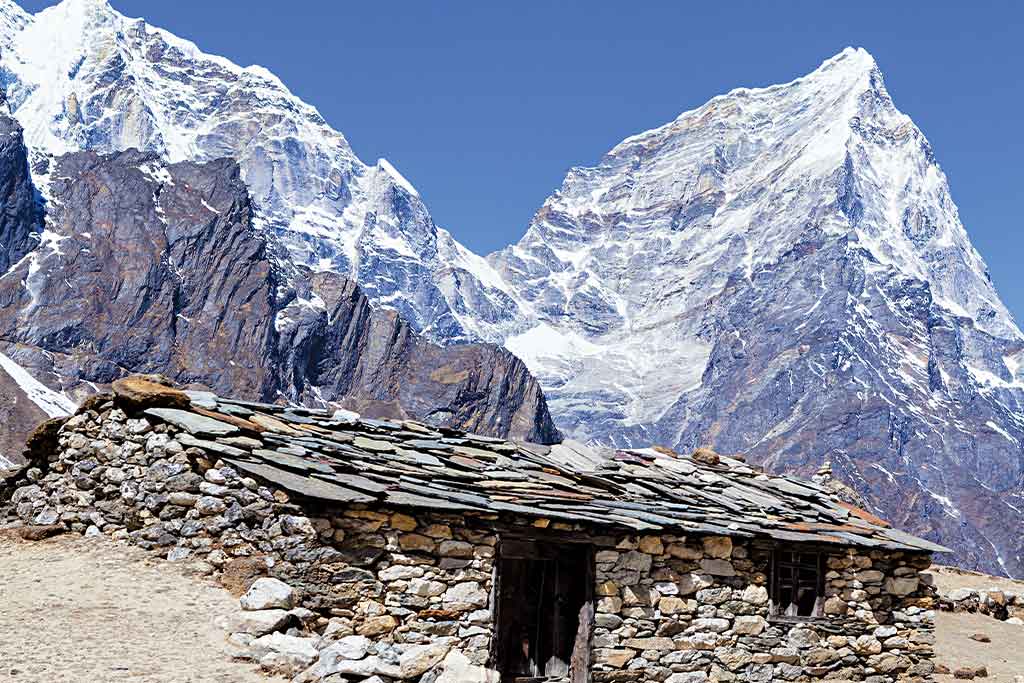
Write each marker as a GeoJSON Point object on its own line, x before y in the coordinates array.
{"type": "Point", "coordinates": [343, 458]}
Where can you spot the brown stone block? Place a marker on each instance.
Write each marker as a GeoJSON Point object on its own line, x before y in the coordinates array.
{"type": "Point", "coordinates": [438, 614]}
{"type": "Point", "coordinates": [138, 392]}
{"type": "Point", "coordinates": [238, 574]}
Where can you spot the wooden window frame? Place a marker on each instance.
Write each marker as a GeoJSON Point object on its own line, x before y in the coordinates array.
{"type": "Point", "coordinates": [776, 584]}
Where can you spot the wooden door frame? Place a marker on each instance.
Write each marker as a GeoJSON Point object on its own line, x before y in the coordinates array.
{"type": "Point", "coordinates": [580, 658]}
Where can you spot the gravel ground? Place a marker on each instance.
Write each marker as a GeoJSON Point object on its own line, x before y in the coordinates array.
{"type": "Point", "coordinates": [93, 611]}
{"type": "Point", "coordinates": [90, 610]}
{"type": "Point", "coordinates": [1003, 657]}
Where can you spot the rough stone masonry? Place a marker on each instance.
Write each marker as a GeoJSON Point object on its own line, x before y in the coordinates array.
{"type": "Point", "coordinates": [379, 592]}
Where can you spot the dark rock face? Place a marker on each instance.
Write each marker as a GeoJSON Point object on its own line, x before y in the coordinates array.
{"type": "Point", "coordinates": [144, 267]}
{"type": "Point", "coordinates": [790, 389]}
{"type": "Point", "coordinates": [19, 210]}
{"type": "Point", "coordinates": [383, 367]}
{"type": "Point", "coordinates": [19, 218]}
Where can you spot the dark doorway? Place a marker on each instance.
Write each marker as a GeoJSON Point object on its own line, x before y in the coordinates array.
{"type": "Point", "coordinates": [545, 611]}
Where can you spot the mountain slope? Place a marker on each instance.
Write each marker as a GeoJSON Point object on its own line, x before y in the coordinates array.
{"type": "Point", "coordinates": [81, 76]}
{"type": "Point", "coordinates": [144, 266]}
{"type": "Point", "coordinates": [782, 273]}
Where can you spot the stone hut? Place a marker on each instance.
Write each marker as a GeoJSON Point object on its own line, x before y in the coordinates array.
{"type": "Point", "coordinates": [430, 555]}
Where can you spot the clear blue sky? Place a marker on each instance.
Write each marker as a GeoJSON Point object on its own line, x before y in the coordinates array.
{"type": "Point", "coordinates": [485, 105]}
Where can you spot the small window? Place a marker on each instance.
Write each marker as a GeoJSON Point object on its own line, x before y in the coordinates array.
{"type": "Point", "coordinates": [798, 585]}
{"type": "Point", "coordinates": [545, 611]}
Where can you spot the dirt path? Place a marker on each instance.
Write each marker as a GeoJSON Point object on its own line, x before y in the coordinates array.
{"type": "Point", "coordinates": [948, 579]}
{"type": "Point", "coordinates": [89, 610]}
{"type": "Point", "coordinates": [1003, 657]}
{"type": "Point", "coordinates": [92, 611]}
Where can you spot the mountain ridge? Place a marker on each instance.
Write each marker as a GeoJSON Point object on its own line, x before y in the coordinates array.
{"type": "Point", "coordinates": [117, 83]}
{"type": "Point", "coordinates": [137, 265]}
{"type": "Point", "coordinates": [800, 234]}
{"type": "Point", "coordinates": [781, 272]}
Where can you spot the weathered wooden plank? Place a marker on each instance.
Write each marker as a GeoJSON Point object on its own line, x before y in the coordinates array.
{"type": "Point", "coordinates": [579, 662]}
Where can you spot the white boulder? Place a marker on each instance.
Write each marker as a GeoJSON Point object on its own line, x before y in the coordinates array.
{"type": "Point", "coordinates": [268, 593]}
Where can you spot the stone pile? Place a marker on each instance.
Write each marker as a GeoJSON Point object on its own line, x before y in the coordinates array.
{"type": "Point", "coordinates": [999, 604]}
{"type": "Point", "coordinates": [283, 640]}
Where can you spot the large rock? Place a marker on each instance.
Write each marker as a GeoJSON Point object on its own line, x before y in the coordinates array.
{"type": "Point", "coordinates": [284, 654]}
{"type": "Point", "coordinates": [256, 623]}
{"type": "Point", "coordinates": [458, 669]}
{"type": "Point", "coordinates": [418, 659]}
{"type": "Point", "coordinates": [148, 391]}
{"type": "Point", "coordinates": [351, 647]}
{"type": "Point", "coordinates": [465, 596]}
{"type": "Point", "coordinates": [349, 656]}
{"type": "Point", "coordinates": [268, 593]}
{"type": "Point", "coordinates": [901, 586]}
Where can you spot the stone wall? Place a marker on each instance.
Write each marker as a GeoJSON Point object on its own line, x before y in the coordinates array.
{"type": "Point", "coordinates": [392, 577]}
{"type": "Point", "coordinates": [693, 610]}
{"type": "Point", "coordinates": [401, 595]}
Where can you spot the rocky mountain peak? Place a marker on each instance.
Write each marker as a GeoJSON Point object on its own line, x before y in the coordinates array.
{"type": "Point", "coordinates": [852, 65]}
{"type": "Point", "coordinates": [781, 272]}
{"type": "Point", "coordinates": [12, 13]}
{"type": "Point", "coordinates": [122, 84]}
{"type": "Point", "coordinates": [83, 12]}
{"type": "Point", "coordinates": [160, 267]}
{"type": "Point", "coordinates": [12, 20]}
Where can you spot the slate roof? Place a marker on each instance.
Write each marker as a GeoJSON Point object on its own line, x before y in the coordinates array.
{"type": "Point", "coordinates": [342, 458]}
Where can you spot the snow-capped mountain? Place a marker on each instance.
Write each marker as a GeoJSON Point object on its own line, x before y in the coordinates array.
{"type": "Point", "coordinates": [136, 265]}
{"type": "Point", "coordinates": [80, 75]}
{"type": "Point", "coordinates": [166, 211]}
{"type": "Point", "coordinates": [617, 266]}
{"type": "Point", "coordinates": [781, 272]}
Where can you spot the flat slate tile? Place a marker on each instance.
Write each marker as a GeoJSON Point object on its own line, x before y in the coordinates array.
{"type": "Point", "coordinates": [305, 486]}
{"type": "Point", "coordinates": [193, 423]}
